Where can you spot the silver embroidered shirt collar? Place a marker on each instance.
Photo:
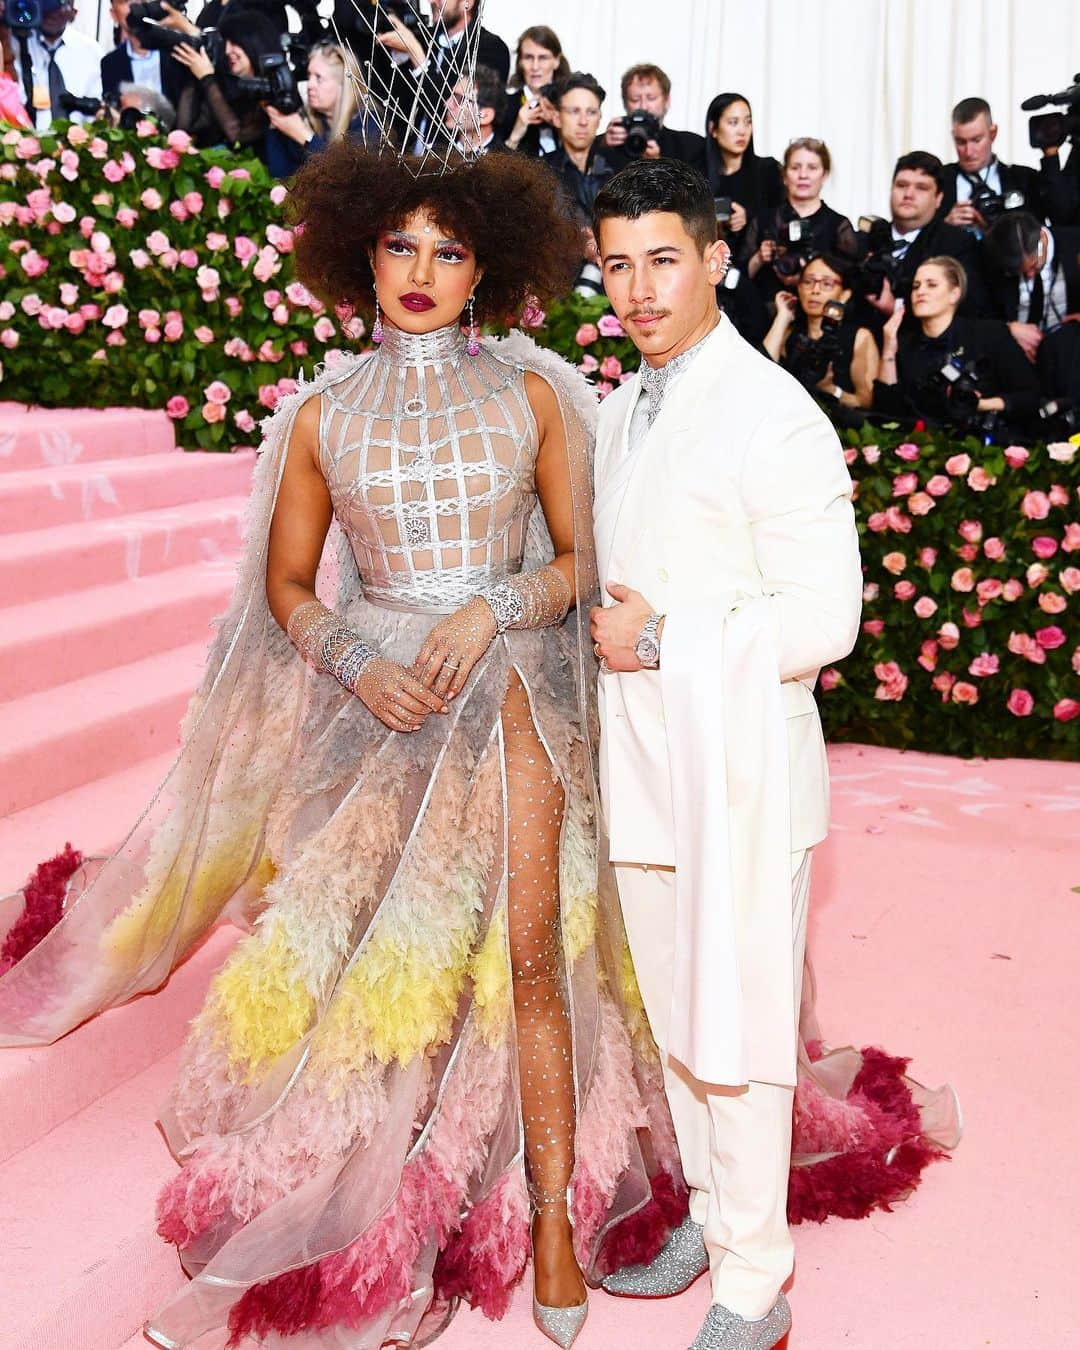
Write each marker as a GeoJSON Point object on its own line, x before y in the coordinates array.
{"type": "Point", "coordinates": [422, 349]}
{"type": "Point", "coordinates": [654, 380]}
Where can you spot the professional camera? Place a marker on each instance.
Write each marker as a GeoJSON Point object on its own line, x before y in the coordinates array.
{"type": "Point", "coordinates": [722, 208]}
{"type": "Point", "coordinates": [274, 84]}
{"type": "Point", "coordinates": [641, 128]}
{"type": "Point", "coordinates": [1055, 128]}
{"type": "Point", "coordinates": [990, 204]}
{"type": "Point", "coordinates": [809, 361]}
{"type": "Point", "coordinates": [87, 107]}
{"type": "Point", "coordinates": [406, 12]}
{"type": "Point", "coordinates": [144, 22]}
{"type": "Point", "coordinates": [1059, 418]}
{"type": "Point", "coordinates": [877, 262]}
{"type": "Point", "coordinates": [794, 251]}
{"type": "Point", "coordinates": [958, 382]}
{"type": "Point", "coordinates": [21, 16]}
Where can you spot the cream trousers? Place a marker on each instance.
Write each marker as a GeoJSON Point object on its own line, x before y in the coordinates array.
{"type": "Point", "coordinates": [735, 1142]}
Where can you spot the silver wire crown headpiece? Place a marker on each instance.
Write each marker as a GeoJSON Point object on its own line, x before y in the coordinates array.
{"type": "Point", "coordinates": [420, 123]}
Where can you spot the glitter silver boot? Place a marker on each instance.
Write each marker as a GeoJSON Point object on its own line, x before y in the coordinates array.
{"type": "Point", "coordinates": [725, 1330]}
{"type": "Point", "coordinates": [680, 1262]}
{"type": "Point", "coordinates": [561, 1325]}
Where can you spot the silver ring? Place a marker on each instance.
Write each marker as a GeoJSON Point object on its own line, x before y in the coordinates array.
{"type": "Point", "coordinates": [605, 669]}
{"type": "Point", "coordinates": [449, 665]}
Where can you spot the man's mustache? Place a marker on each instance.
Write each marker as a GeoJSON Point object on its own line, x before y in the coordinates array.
{"type": "Point", "coordinates": [648, 314]}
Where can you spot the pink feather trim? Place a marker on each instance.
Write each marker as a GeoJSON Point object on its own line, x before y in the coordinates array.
{"type": "Point", "coordinates": [43, 908]}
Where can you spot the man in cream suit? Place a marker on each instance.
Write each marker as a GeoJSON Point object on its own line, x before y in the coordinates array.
{"type": "Point", "coordinates": [727, 547]}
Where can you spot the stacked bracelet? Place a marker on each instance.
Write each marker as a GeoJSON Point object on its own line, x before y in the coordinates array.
{"type": "Point", "coordinates": [328, 644]}
{"type": "Point", "coordinates": [531, 600]}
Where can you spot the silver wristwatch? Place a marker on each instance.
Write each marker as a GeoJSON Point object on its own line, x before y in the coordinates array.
{"type": "Point", "coordinates": [647, 647]}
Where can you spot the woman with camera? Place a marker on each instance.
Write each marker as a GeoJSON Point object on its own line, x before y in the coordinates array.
{"type": "Point", "coordinates": [530, 117]}
{"type": "Point", "coordinates": [811, 337]}
{"type": "Point", "coordinates": [334, 84]}
{"type": "Point", "coordinates": [749, 181]}
{"type": "Point", "coordinates": [949, 369]}
{"type": "Point", "coordinates": [778, 240]}
{"type": "Point", "coordinates": [218, 110]}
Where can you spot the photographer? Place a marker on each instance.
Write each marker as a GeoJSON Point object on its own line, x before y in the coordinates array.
{"type": "Point", "coordinates": [130, 62]}
{"type": "Point", "coordinates": [953, 371]}
{"type": "Point", "coordinates": [332, 111]}
{"type": "Point", "coordinates": [813, 337]}
{"type": "Point", "coordinates": [138, 101]}
{"type": "Point", "coordinates": [580, 159]}
{"type": "Point", "coordinates": [221, 110]}
{"type": "Point", "coordinates": [749, 182]}
{"type": "Point", "coordinates": [528, 124]}
{"type": "Point", "coordinates": [641, 134]}
{"type": "Point", "coordinates": [778, 241]}
{"type": "Point", "coordinates": [1033, 273]}
{"type": "Point", "coordinates": [977, 188]}
{"type": "Point", "coordinates": [61, 60]}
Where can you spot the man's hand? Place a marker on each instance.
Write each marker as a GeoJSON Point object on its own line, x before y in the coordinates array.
{"type": "Point", "coordinates": [884, 303]}
{"type": "Point", "coordinates": [401, 40]}
{"type": "Point", "coordinates": [294, 125]}
{"type": "Point", "coordinates": [1027, 336]}
{"type": "Point", "coordinates": [615, 134]}
{"type": "Point", "coordinates": [180, 23]}
{"type": "Point", "coordinates": [616, 628]}
{"type": "Point", "coordinates": [652, 150]}
{"type": "Point", "coordinates": [965, 215]}
{"type": "Point", "coordinates": [738, 218]}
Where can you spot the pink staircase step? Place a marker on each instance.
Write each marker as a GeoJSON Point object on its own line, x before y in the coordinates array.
{"type": "Point", "coordinates": [55, 641]}
{"type": "Point", "coordinates": [94, 818]}
{"type": "Point", "coordinates": [83, 1267]}
{"type": "Point", "coordinates": [32, 438]}
{"type": "Point", "coordinates": [46, 1085]}
{"type": "Point", "coordinates": [59, 739]}
{"type": "Point", "coordinates": [40, 498]}
{"type": "Point", "coordinates": [35, 564]}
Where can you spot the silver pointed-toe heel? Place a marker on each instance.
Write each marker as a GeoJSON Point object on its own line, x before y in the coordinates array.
{"type": "Point", "coordinates": [681, 1261]}
{"type": "Point", "coordinates": [561, 1325]}
{"type": "Point", "coordinates": [725, 1330]}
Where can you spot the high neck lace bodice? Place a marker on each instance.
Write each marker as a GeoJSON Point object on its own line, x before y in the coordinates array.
{"type": "Point", "coordinates": [429, 455]}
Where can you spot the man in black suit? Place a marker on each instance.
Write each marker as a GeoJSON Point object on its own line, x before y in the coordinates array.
{"type": "Point", "coordinates": [647, 89]}
{"type": "Point", "coordinates": [131, 63]}
{"type": "Point", "coordinates": [473, 111]}
{"type": "Point", "coordinates": [1033, 274]}
{"type": "Point", "coordinates": [978, 187]}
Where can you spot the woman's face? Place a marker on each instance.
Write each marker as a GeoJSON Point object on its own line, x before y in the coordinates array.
{"type": "Point", "coordinates": [239, 63]}
{"type": "Point", "coordinates": [804, 176]}
{"type": "Point", "coordinates": [932, 294]}
{"type": "Point", "coordinates": [818, 285]}
{"type": "Point", "coordinates": [733, 131]}
{"type": "Point", "coordinates": [423, 277]}
{"type": "Point", "coordinates": [325, 77]}
{"type": "Point", "coordinates": [536, 64]}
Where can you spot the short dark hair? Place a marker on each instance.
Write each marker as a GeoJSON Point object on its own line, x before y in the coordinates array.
{"type": "Point", "coordinates": [645, 70]}
{"type": "Point", "coordinates": [968, 109]}
{"type": "Point", "coordinates": [579, 79]}
{"type": "Point", "coordinates": [649, 185]}
{"type": "Point", "coordinates": [921, 161]}
{"type": "Point", "coordinates": [490, 91]}
{"type": "Point", "coordinates": [1011, 240]}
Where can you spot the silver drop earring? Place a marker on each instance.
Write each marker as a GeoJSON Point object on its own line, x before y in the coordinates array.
{"type": "Point", "coordinates": [377, 331]}
{"type": "Point", "coordinates": [473, 345]}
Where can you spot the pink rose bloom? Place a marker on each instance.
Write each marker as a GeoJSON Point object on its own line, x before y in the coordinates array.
{"type": "Point", "coordinates": [986, 663]}
{"type": "Point", "coordinates": [962, 692]}
{"type": "Point", "coordinates": [870, 591]}
{"type": "Point", "coordinates": [178, 140]}
{"type": "Point", "coordinates": [1065, 709]}
{"type": "Point", "coordinates": [152, 335]}
{"type": "Point", "coordinates": [904, 590]}
{"type": "Point", "coordinates": [1012, 590]}
{"type": "Point", "coordinates": [159, 158]}
{"type": "Point", "coordinates": [144, 127]}
{"type": "Point", "coordinates": [189, 258]}
{"type": "Point", "coordinates": [908, 451]}
{"type": "Point", "coordinates": [850, 455]}
{"type": "Point", "coordinates": [267, 264]}
{"type": "Point", "coordinates": [963, 579]}
{"type": "Point", "coordinates": [1050, 638]}
{"type": "Point", "coordinates": [1052, 603]}
{"type": "Point", "coordinates": [151, 198]}
{"type": "Point", "coordinates": [224, 208]}
{"type": "Point", "coordinates": [1016, 456]}
{"type": "Point", "coordinates": [244, 421]}
{"type": "Point", "coordinates": [893, 682]}
{"type": "Point", "coordinates": [204, 334]}
{"type": "Point", "coordinates": [139, 258]}
{"type": "Point", "coordinates": [897, 521]}
{"type": "Point", "coordinates": [1020, 703]}
{"type": "Point", "coordinates": [65, 213]}
{"type": "Point", "coordinates": [268, 352]}
{"type": "Point", "coordinates": [877, 523]}
{"type": "Point", "coordinates": [324, 329]}
{"type": "Point", "coordinates": [994, 549]}
{"type": "Point", "coordinates": [1044, 546]}
{"type": "Point", "coordinates": [611, 367]}
{"type": "Point", "coordinates": [27, 147]}
{"type": "Point", "coordinates": [1037, 574]}
{"type": "Point", "coordinates": [90, 312]}
{"type": "Point", "coordinates": [958, 464]}
{"type": "Point", "coordinates": [610, 326]}
{"type": "Point", "coordinates": [174, 330]}
{"type": "Point", "coordinates": [967, 552]}
{"type": "Point", "coordinates": [1059, 496]}
{"type": "Point", "coordinates": [927, 557]}
{"type": "Point", "coordinates": [282, 240]}
{"type": "Point", "coordinates": [286, 386]}
{"type": "Point", "coordinates": [113, 283]}
{"type": "Point", "coordinates": [115, 316]}
{"type": "Point", "coordinates": [86, 226]}
{"type": "Point", "coordinates": [297, 294]}
{"type": "Point", "coordinates": [278, 193]}
{"type": "Point", "coordinates": [215, 176]}
{"type": "Point", "coordinates": [33, 264]}
{"type": "Point", "coordinates": [178, 211]}
{"type": "Point", "coordinates": [233, 306]}
{"type": "Point", "coordinates": [31, 304]}
{"type": "Point", "coordinates": [169, 259]}
{"type": "Point", "coordinates": [1035, 506]}
{"type": "Point", "coordinates": [943, 683]}
{"type": "Point", "coordinates": [927, 657]}
{"type": "Point", "coordinates": [213, 412]}
{"type": "Point", "coordinates": [871, 453]}
{"type": "Point", "coordinates": [112, 171]}
{"type": "Point", "coordinates": [938, 485]}
{"type": "Point", "coordinates": [299, 347]}
{"type": "Point", "coordinates": [532, 316]}
{"type": "Point", "coordinates": [75, 324]}
{"type": "Point", "coordinates": [1071, 541]}
{"type": "Point", "coordinates": [216, 241]}
{"type": "Point", "coordinates": [925, 607]}
{"type": "Point", "coordinates": [7, 309]}
{"type": "Point", "coordinates": [268, 396]}
{"type": "Point", "coordinates": [830, 678]}
{"type": "Point", "coordinates": [77, 135]}
{"type": "Point", "coordinates": [875, 627]}
{"type": "Point", "coordinates": [588, 364]}
{"type": "Point", "coordinates": [1070, 579]}
{"type": "Point", "coordinates": [244, 248]}
{"type": "Point", "coordinates": [217, 392]}
{"type": "Point", "coordinates": [39, 201]}
{"type": "Point", "coordinates": [1022, 644]}
{"type": "Point", "coordinates": [126, 217]}
{"type": "Point", "coordinates": [586, 334]}
{"type": "Point", "coordinates": [988, 590]}
{"type": "Point", "coordinates": [149, 318]}
{"type": "Point", "coordinates": [280, 314]}
{"type": "Point", "coordinates": [904, 483]}
{"type": "Point", "coordinates": [207, 278]}
{"type": "Point", "coordinates": [1062, 452]}
{"type": "Point", "coordinates": [354, 328]}
{"type": "Point", "coordinates": [193, 202]}
{"type": "Point", "coordinates": [9, 338]}
{"type": "Point", "coordinates": [157, 241]}
{"type": "Point", "coordinates": [272, 298]}
{"type": "Point", "coordinates": [920, 503]}
{"type": "Point", "coordinates": [1076, 660]}
{"type": "Point", "coordinates": [972, 617]}
{"type": "Point", "coordinates": [894, 563]}
{"type": "Point", "coordinates": [116, 339]}
{"type": "Point", "coordinates": [970, 530]}
{"type": "Point", "coordinates": [243, 174]}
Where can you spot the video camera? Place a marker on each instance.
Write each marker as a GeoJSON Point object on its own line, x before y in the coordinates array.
{"type": "Point", "coordinates": [274, 84]}
{"type": "Point", "coordinates": [1055, 128]}
{"type": "Point", "coordinates": [641, 128]}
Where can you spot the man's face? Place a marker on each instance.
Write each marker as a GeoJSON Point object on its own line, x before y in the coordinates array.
{"type": "Point", "coordinates": [54, 21]}
{"type": "Point", "coordinates": [462, 114]}
{"type": "Point", "coordinates": [578, 118]}
{"type": "Point", "coordinates": [119, 11]}
{"type": "Point", "coordinates": [915, 199]}
{"type": "Point", "coordinates": [974, 143]}
{"type": "Point", "coordinates": [658, 281]}
{"type": "Point", "coordinates": [1035, 262]}
{"type": "Point", "coordinates": [450, 12]}
{"type": "Point", "coordinates": [647, 96]}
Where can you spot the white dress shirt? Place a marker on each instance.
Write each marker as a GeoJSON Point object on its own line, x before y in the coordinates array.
{"type": "Point", "coordinates": [145, 68]}
{"type": "Point", "coordinates": [79, 60]}
{"type": "Point", "coordinates": [991, 176]}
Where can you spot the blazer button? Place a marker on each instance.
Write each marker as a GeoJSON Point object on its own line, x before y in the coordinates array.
{"type": "Point", "coordinates": [663, 574]}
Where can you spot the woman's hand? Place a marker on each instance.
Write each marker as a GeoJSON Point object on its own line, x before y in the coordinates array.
{"type": "Point", "coordinates": [395, 696]}
{"type": "Point", "coordinates": [196, 61]}
{"type": "Point", "coordinates": [738, 218]}
{"type": "Point", "coordinates": [180, 23]}
{"type": "Point", "coordinates": [293, 125]}
{"type": "Point", "coordinates": [787, 306]}
{"type": "Point", "coordinates": [454, 646]}
{"type": "Point", "coordinates": [890, 332]}
{"type": "Point", "coordinates": [530, 114]}
{"type": "Point", "coordinates": [994, 404]}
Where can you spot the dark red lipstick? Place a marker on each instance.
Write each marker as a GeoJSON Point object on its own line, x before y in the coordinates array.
{"type": "Point", "coordinates": [415, 302]}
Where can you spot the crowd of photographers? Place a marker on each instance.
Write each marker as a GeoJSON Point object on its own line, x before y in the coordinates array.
{"type": "Point", "coordinates": [959, 307]}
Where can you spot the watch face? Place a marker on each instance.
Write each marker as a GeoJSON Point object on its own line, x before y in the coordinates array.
{"type": "Point", "coordinates": [648, 651]}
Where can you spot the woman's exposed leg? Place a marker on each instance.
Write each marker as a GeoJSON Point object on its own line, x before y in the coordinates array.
{"type": "Point", "coordinates": [545, 1052]}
